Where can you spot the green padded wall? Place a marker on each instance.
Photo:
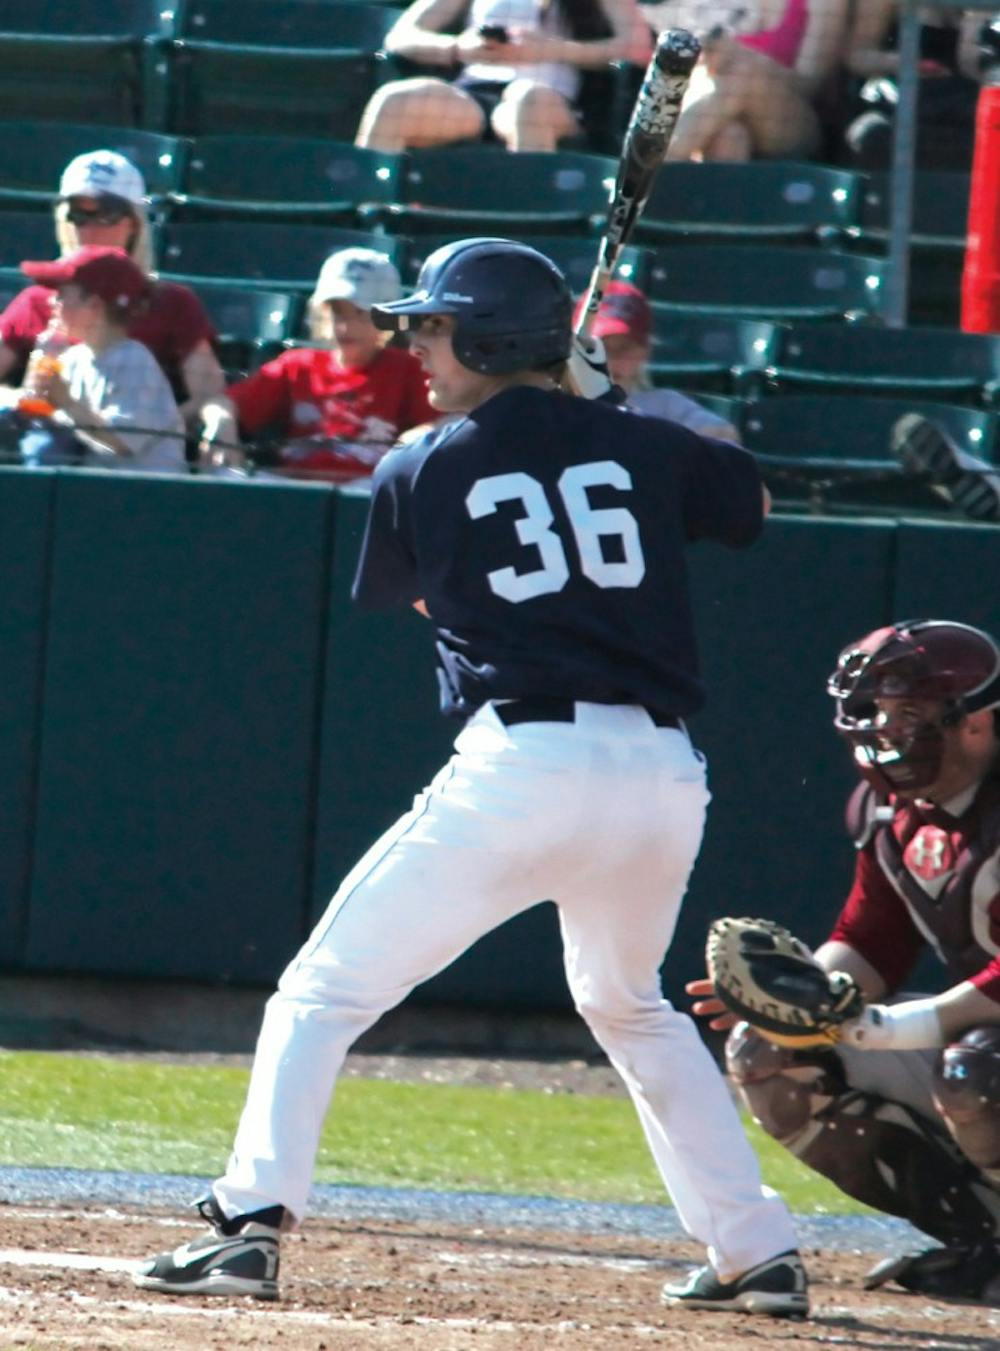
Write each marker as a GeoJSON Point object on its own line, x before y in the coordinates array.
{"type": "Point", "coordinates": [771, 621]}
{"type": "Point", "coordinates": [25, 502]}
{"type": "Point", "coordinates": [948, 571]}
{"type": "Point", "coordinates": [383, 739]}
{"type": "Point", "coordinates": [181, 697]}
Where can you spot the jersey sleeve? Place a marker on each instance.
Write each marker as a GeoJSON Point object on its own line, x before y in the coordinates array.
{"type": "Point", "coordinates": [190, 322]}
{"type": "Point", "coordinates": [24, 318]}
{"type": "Point", "coordinates": [722, 495]}
{"type": "Point", "coordinates": [876, 923]}
{"type": "Point", "coordinates": [387, 567]}
{"type": "Point", "coordinates": [264, 397]}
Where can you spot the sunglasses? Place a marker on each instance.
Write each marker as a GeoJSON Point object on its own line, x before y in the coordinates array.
{"type": "Point", "coordinates": [109, 214]}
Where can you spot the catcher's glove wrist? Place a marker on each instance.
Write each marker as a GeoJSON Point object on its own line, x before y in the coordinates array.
{"type": "Point", "coordinates": [913, 1026]}
{"type": "Point", "coordinates": [768, 977]}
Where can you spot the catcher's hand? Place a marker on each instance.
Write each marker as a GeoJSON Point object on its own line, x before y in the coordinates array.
{"type": "Point", "coordinates": [764, 974]}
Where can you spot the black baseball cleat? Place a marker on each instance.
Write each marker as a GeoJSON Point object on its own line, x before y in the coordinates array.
{"type": "Point", "coordinates": [968, 1272]}
{"type": "Point", "coordinates": [237, 1257]}
{"type": "Point", "coordinates": [968, 483]}
{"type": "Point", "coordinates": [778, 1287]}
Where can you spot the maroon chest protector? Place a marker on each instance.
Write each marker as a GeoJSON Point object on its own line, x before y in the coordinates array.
{"type": "Point", "coordinates": [932, 860]}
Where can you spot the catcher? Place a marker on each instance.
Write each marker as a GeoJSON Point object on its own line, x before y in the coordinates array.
{"type": "Point", "coordinates": [894, 1097]}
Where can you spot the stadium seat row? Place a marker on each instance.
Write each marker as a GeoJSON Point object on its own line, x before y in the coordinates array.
{"type": "Point", "coordinates": [833, 451]}
{"type": "Point", "coordinates": [320, 179]}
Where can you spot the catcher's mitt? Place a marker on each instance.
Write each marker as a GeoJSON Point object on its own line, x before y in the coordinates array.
{"type": "Point", "coordinates": [764, 974]}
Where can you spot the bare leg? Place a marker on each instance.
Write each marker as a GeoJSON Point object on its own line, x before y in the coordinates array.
{"type": "Point", "coordinates": [418, 112]}
{"type": "Point", "coordinates": [533, 117]}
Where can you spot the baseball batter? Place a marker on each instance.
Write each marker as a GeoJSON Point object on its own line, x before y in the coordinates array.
{"type": "Point", "coordinates": [543, 534]}
{"type": "Point", "coordinates": [904, 1114]}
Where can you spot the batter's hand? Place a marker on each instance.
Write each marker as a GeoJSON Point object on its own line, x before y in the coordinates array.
{"type": "Point", "coordinates": [708, 1005]}
{"type": "Point", "coordinates": [587, 371]}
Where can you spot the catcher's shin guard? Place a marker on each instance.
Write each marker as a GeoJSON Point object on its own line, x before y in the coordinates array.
{"type": "Point", "coordinates": [877, 1151]}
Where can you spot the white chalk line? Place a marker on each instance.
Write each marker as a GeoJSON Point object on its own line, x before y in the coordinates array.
{"type": "Point", "coordinates": [194, 1308]}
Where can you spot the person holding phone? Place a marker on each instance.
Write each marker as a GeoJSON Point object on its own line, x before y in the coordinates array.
{"type": "Point", "coordinates": [511, 70]}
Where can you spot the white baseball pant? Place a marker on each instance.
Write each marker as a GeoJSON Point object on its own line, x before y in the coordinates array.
{"type": "Point", "coordinates": [604, 816]}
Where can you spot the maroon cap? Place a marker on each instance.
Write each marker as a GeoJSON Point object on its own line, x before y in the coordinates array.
{"type": "Point", "coordinates": [623, 309]}
{"type": "Point", "coordinates": [108, 273]}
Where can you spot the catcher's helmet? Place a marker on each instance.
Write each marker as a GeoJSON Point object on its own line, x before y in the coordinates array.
{"type": "Point", "coordinates": [954, 665]}
{"type": "Point", "coordinates": [512, 307]}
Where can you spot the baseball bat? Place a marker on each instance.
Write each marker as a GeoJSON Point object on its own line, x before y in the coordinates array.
{"type": "Point", "coordinates": [647, 137]}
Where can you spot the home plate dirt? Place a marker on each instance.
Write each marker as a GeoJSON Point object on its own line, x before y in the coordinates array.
{"type": "Point", "coordinates": [65, 1282]}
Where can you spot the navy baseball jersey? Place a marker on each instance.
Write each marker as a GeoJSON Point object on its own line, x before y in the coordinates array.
{"type": "Point", "coordinates": [546, 535]}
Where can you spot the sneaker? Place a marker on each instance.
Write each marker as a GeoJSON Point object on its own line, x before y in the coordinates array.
{"type": "Point", "coordinates": [238, 1257]}
{"type": "Point", "coordinates": [778, 1287]}
{"type": "Point", "coordinates": [971, 484]}
{"type": "Point", "coordinates": [962, 1271]}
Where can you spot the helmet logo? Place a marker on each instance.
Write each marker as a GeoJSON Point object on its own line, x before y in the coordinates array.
{"type": "Point", "coordinates": [457, 298]}
{"type": "Point", "coordinates": [929, 854]}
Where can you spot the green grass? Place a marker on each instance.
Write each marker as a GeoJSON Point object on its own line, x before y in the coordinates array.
{"type": "Point", "coordinates": [86, 1112]}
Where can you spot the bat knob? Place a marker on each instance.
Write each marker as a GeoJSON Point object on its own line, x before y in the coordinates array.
{"type": "Point", "coordinates": [676, 51]}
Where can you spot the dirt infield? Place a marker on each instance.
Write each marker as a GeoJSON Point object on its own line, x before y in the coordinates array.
{"type": "Point", "coordinates": [64, 1282]}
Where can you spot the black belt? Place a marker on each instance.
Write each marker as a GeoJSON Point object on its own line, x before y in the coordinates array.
{"type": "Point", "coordinates": [513, 711]}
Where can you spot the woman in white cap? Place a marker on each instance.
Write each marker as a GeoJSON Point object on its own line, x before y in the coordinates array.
{"type": "Point", "coordinates": [102, 202]}
{"type": "Point", "coordinates": [338, 408]}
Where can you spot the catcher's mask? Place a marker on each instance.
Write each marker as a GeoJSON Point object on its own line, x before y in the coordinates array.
{"type": "Point", "coordinates": [952, 665]}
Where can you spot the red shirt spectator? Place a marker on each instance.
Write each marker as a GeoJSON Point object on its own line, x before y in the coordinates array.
{"type": "Point", "coordinates": [337, 409]}
{"type": "Point", "coordinates": [316, 399]}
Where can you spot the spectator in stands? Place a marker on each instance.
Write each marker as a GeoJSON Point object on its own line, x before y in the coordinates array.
{"type": "Point", "coordinates": [102, 202]}
{"type": "Point", "coordinates": [949, 73]}
{"type": "Point", "coordinates": [624, 323]}
{"type": "Point", "coordinates": [753, 93]}
{"type": "Point", "coordinates": [510, 70]}
{"type": "Point", "coordinates": [336, 409]}
{"type": "Point", "coordinates": [107, 386]}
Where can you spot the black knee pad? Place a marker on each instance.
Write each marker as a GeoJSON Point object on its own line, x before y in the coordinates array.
{"type": "Point", "coordinates": [967, 1094]}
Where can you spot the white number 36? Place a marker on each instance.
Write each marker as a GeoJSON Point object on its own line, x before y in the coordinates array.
{"type": "Point", "coordinates": [589, 524]}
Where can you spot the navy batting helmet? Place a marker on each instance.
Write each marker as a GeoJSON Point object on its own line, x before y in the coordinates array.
{"type": "Point", "coordinates": [513, 310]}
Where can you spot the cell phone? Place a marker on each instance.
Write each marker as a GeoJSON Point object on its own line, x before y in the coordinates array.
{"type": "Point", "coordinates": [493, 32]}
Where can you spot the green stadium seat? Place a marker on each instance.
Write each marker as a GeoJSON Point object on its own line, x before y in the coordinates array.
{"type": "Point", "coordinates": [250, 325]}
{"type": "Point", "coordinates": [924, 363]}
{"type": "Point", "coordinates": [711, 352]}
{"type": "Point", "coordinates": [759, 202]}
{"type": "Point", "coordinates": [940, 210]}
{"type": "Point", "coordinates": [483, 191]}
{"type": "Point", "coordinates": [767, 283]}
{"type": "Point", "coordinates": [74, 60]}
{"type": "Point", "coordinates": [575, 256]}
{"type": "Point", "coordinates": [26, 234]}
{"type": "Point", "coordinates": [34, 154]}
{"type": "Point", "coordinates": [834, 449]}
{"type": "Point", "coordinates": [937, 239]}
{"type": "Point", "coordinates": [268, 255]}
{"type": "Point", "coordinates": [284, 179]}
{"type": "Point", "coordinates": [274, 67]}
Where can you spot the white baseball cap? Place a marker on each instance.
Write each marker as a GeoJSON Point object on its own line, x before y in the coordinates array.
{"type": "Point", "coordinates": [362, 276]}
{"type": "Point", "coordinates": [102, 173]}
